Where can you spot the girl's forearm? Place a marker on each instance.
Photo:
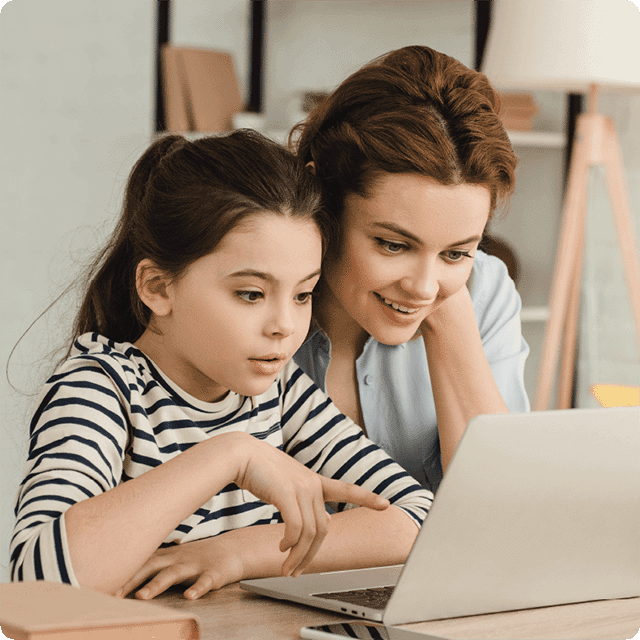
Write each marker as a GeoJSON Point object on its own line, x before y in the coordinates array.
{"type": "Point", "coordinates": [357, 538]}
{"type": "Point", "coordinates": [112, 534]}
{"type": "Point", "coordinates": [461, 378]}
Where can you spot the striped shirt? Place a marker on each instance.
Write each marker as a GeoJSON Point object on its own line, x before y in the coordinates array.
{"type": "Point", "coordinates": [108, 414]}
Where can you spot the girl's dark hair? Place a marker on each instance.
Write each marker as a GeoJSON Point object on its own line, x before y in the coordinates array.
{"type": "Point", "coordinates": [413, 111]}
{"type": "Point", "coordinates": [181, 199]}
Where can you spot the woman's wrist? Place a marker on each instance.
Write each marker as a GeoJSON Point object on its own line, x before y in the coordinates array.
{"type": "Point", "coordinates": [453, 315]}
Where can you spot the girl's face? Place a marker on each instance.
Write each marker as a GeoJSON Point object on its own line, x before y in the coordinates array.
{"type": "Point", "coordinates": [240, 313]}
{"type": "Point", "coordinates": [405, 249]}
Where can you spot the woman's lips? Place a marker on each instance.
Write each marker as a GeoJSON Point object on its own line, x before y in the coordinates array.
{"type": "Point", "coordinates": [397, 306]}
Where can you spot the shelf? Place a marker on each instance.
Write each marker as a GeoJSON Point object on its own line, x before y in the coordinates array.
{"type": "Point", "coordinates": [534, 314]}
{"type": "Point", "coordinates": [546, 139]}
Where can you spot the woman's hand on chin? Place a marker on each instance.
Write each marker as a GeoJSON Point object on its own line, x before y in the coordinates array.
{"type": "Point", "coordinates": [449, 313]}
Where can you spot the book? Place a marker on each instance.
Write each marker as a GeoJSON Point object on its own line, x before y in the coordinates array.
{"type": "Point", "coordinates": [174, 87]}
{"type": "Point", "coordinates": [200, 89]}
{"type": "Point", "coordinates": [517, 111]}
{"type": "Point", "coordinates": [52, 611]}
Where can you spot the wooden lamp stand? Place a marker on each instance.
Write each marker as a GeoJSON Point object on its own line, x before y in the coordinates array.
{"type": "Point", "coordinates": [596, 144]}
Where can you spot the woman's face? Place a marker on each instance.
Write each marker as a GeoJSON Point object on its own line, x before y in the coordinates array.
{"type": "Point", "coordinates": [405, 248]}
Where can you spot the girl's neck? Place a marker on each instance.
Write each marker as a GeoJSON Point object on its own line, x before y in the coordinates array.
{"type": "Point", "coordinates": [346, 335]}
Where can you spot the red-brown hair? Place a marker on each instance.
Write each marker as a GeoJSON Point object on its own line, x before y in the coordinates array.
{"type": "Point", "coordinates": [415, 111]}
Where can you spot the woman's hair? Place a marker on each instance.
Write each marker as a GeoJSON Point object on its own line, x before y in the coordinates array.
{"type": "Point", "coordinates": [181, 199]}
{"type": "Point", "coordinates": [413, 111]}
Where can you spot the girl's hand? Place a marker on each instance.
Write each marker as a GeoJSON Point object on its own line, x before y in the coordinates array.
{"type": "Point", "coordinates": [209, 564]}
{"type": "Point", "coordinates": [299, 495]}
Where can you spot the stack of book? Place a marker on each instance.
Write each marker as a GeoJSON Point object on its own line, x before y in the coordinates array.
{"type": "Point", "coordinates": [517, 111]}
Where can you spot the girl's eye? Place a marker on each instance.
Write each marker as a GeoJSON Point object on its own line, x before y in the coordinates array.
{"type": "Point", "coordinates": [304, 298]}
{"type": "Point", "coordinates": [456, 256]}
{"type": "Point", "coordinates": [389, 246]}
{"type": "Point", "coordinates": [250, 296]}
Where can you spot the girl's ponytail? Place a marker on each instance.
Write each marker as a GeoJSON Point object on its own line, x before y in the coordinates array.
{"type": "Point", "coordinates": [111, 305]}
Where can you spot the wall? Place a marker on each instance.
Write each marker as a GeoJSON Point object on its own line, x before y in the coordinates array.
{"type": "Point", "coordinates": [77, 109]}
{"type": "Point", "coordinates": [77, 96]}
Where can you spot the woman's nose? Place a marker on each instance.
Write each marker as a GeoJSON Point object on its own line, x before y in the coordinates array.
{"type": "Point", "coordinates": [422, 283]}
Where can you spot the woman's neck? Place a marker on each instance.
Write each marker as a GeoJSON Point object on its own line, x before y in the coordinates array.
{"type": "Point", "coordinates": [346, 335]}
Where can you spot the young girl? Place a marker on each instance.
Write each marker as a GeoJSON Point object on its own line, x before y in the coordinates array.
{"type": "Point", "coordinates": [177, 442]}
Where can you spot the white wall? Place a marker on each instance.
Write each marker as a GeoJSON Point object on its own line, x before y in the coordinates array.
{"type": "Point", "coordinates": [77, 108]}
{"type": "Point", "coordinates": [315, 44]}
{"type": "Point", "coordinates": [76, 101]}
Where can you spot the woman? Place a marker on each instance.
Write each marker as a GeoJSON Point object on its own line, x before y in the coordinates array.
{"type": "Point", "coordinates": [416, 330]}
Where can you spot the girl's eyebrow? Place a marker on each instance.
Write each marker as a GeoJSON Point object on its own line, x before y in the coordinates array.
{"type": "Point", "coordinates": [253, 273]}
{"type": "Point", "coordinates": [391, 226]}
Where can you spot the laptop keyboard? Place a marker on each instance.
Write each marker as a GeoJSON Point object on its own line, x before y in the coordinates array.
{"type": "Point", "coordinates": [374, 598]}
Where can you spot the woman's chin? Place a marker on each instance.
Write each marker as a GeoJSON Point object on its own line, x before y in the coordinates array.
{"type": "Point", "coordinates": [394, 336]}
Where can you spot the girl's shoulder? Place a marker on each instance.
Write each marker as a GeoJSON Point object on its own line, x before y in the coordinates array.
{"type": "Point", "coordinates": [95, 357]}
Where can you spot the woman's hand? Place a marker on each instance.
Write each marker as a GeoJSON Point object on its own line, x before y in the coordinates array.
{"type": "Point", "coordinates": [209, 564]}
{"type": "Point", "coordinates": [442, 317]}
{"type": "Point", "coordinates": [299, 495]}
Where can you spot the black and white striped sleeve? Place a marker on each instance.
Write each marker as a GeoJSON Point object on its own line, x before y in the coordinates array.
{"type": "Point", "coordinates": [78, 436]}
{"type": "Point", "coordinates": [322, 438]}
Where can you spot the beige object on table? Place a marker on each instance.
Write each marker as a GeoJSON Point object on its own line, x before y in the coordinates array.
{"type": "Point", "coordinates": [52, 611]}
{"type": "Point", "coordinates": [200, 89]}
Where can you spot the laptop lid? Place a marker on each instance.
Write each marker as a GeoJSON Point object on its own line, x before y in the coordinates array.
{"type": "Point", "coordinates": [535, 509]}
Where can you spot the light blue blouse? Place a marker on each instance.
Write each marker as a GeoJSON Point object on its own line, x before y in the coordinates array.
{"type": "Point", "coordinates": [394, 384]}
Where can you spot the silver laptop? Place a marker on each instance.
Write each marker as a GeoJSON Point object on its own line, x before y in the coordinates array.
{"type": "Point", "coordinates": [536, 509]}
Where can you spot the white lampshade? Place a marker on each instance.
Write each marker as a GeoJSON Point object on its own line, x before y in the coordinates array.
{"type": "Point", "coordinates": [564, 44]}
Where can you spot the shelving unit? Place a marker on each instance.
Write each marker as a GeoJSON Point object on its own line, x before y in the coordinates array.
{"type": "Point", "coordinates": [544, 139]}
{"type": "Point", "coordinates": [531, 227]}
{"type": "Point", "coordinates": [540, 140]}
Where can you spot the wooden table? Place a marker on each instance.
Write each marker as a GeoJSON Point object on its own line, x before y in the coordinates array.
{"type": "Point", "coordinates": [234, 614]}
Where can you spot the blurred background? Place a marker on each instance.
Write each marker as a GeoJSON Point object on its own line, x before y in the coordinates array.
{"type": "Point", "coordinates": [80, 100]}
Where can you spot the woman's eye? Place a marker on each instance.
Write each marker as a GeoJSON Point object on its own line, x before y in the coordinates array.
{"type": "Point", "coordinates": [303, 298]}
{"type": "Point", "coordinates": [391, 247]}
{"type": "Point", "coordinates": [249, 296]}
{"type": "Point", "coordinates": [456, 256]}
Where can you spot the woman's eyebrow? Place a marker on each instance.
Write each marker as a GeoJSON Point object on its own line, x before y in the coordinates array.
{"type": "Point", "coordinates": [467, 241]}
{"type": "Point", "coordinates": [391, 226]}
{"type": "Point", "coordinates": [262, 275]}
{"type": "Point", "coordinates": [395, 228]}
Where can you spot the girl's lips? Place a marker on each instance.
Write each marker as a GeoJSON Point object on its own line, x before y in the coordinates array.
{"type": "Point", "coordinates": [269, 364]}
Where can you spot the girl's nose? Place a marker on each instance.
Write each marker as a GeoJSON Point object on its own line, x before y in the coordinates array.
{"type": "Point", "coordinates": [280, 324]}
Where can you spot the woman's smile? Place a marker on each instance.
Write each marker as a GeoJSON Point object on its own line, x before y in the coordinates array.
{"type": "Point", "coordinates": [406, 247]}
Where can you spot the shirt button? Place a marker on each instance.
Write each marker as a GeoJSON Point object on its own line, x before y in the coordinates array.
{"type": "Point", "coordinates": [368, 379]}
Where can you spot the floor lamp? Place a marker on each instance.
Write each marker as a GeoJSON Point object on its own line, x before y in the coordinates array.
{"type": "Point", "coordinates": [589, 46]}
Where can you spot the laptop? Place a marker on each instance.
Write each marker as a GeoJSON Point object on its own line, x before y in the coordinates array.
{"type": "Point", "coordinates": [535, 509]}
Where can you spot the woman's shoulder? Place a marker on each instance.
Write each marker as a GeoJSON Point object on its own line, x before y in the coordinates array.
{"type": "Point", "coordinates": [490, 282]}
{"type": "Point", "coordinates": [496, 301]}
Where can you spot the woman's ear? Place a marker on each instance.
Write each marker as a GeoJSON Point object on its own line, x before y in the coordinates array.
{"type": "Point", "coordinates": [152, 286]}
{"type": "Point", "coordinates": [311, 165]}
